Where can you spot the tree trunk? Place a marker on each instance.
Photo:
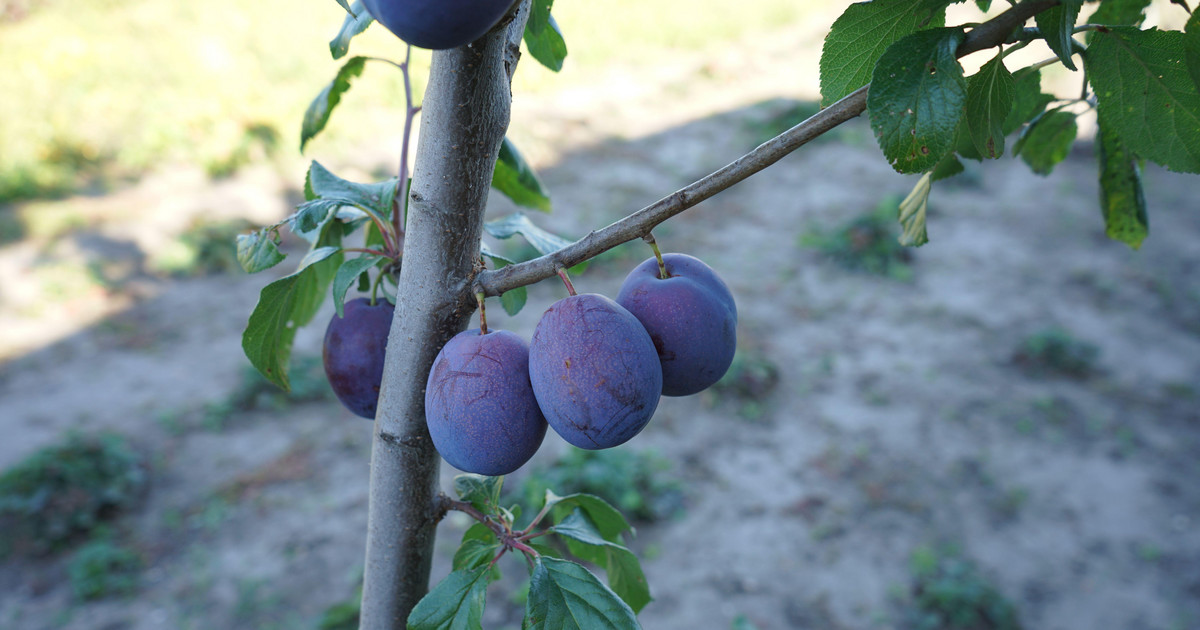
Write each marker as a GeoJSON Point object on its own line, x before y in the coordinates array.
{"type": "Point", "coordinates": [465, 114]}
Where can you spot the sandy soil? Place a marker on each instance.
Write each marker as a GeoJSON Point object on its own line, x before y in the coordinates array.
{"type": "Point", "coordinates": [902, 418]}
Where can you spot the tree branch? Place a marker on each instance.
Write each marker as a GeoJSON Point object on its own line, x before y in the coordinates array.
{"type": "Point", "coordinates": [466, 114]}
{"type": "Point", "coordinates": [992, 33]}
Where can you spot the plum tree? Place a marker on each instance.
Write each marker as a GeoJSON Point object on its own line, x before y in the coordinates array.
{"type": "Point", "coordinates": [690, 315]}
{"type": "Point", "coordinates": [354, 351]}
{"type": "Point", "coordinates": [437, 24]}
{"type": "Point", "coordinates": [479, 403]}
{"type": "Point", "coordinates": [594, 371]}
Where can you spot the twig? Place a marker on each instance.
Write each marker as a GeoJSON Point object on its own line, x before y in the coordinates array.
{"type": "Point", "coordinates": [992, 33]}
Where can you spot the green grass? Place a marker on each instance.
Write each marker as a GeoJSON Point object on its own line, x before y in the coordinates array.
{"type": "Point", "coordinates": [98, 91]}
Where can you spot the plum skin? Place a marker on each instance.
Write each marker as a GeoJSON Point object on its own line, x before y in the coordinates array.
{"type": "Point", "coordinates": [691, 317]}
{"type": "Point", "coordinates": [594, 371]}
{"type": "Point", "coordinates": [438, 24]}
{"type": "Point", "coordinates": [353, 353]}
{"type": "Point", "coordinates": [479, 404]}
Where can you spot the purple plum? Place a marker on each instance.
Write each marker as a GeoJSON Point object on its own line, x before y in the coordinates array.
{"type": "Point", "coordinates": [438, 24]}
{"type": "Point", "coordinates": [353, 353]}
{"type": "Point", "coordinates": [594, 371]}
{"type": "Point", "coordinates": [691, 318]}
{"type": "Point", "coordinates": [479, 404]}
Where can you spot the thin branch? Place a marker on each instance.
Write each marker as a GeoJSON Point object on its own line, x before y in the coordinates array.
{"type": "Point", "coordinates": [992, 33]}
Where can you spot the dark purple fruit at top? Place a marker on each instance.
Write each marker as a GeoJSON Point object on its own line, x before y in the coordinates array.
{"type": "Point", "coordinates": [353, 353]}
{"type": "Point", "coordinates": [690, 316]}
{"type": "Point", "coordinates": [594, 371]}
{"type": "Point", "coordinates": [479, 404]}
{"type": "Point", "coordinates": [438, 24]}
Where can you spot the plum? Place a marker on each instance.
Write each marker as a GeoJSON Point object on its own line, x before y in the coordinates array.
{"type": "Point", "coordinates": [438, 24]}
{"type": "Point", "coordinates": [690, 316]}
{"type": "Point", "coordinates": [353, 353]}
{"type": "Point", "coordinates": [479, 404]}
{"type": "Point", "coordinates": [594, 371]}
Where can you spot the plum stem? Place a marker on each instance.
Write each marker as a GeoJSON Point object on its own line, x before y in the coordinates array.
{"type": "Point", "coordinates": [562, 273]}
{"type": "Point", "coordinates": [662, 266]}
{"type": "Point", "coordinates": [375, 286]}
{"type": "Point", "coordinates": [482, 314]}
{"type": "Point", "coordinates": [400, 201]}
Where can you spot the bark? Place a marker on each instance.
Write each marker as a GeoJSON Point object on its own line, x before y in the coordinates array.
{"type": "Point", "coordinates": [465, 114]}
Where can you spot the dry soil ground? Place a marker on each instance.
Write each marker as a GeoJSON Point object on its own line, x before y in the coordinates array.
{"type": "Point", "coordinates": [903, 419]}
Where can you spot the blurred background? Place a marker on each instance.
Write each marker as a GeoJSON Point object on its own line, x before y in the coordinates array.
{"type": "Point", "coordinates": [997, 430]}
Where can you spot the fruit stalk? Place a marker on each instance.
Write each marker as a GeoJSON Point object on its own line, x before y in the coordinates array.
{"type": "Point", "coordinates": [482, 314]}
{"type": "Point", "coordinates": [662, 266]}
{"type": "Point", "coordinates": [465, 116]}
{"type": "Point", "coordinates": [562, 273]}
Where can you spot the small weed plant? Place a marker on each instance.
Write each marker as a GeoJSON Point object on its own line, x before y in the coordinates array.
{"type": "Point", "coordinates": [636, 482]}
{"type": "Point", "coordinates": [1055, 349]}
{"type": "Point", "coordinates": [104, 569]}
{"type": "Point", "coordinates": [868, 243]}
{"type": "Point", "coordinates": [65, 491]}
{"type": "Point", "coordinates": [950, 594]}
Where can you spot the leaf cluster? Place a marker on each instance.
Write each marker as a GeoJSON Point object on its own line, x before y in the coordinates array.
{"type": "Point", "coordinates": [927, 115]}
{"type": "Point", "coordinates": [562, 592]}
{"type": "Point", "coordinates": [334, 208]}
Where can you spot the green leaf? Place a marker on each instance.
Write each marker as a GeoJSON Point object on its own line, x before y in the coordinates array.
{"type": "Point", "coordinates": [356, 22]}
{"type": "Point", "coordinates": [318, 112]}
{"type": "Point", "coordinates": [517, 223]}
{"type": "Point", "coordinates": [565, 596]}
{"type": "Point", "coordinates": [284, 306]}
{"type": "Point", "coordinates": [1122, 199]}
{"type": "Point", "coordinates": [1120, 12]}
{"type": "Point", "coordinates": [1146, 94]}
{"type": "Point", "coordinates": [1191, 46]}
{"type": "Point", "coordinates": [456, 603]}
{"type": "Point", "coordinates": [624, 572]}
{"type": "Point", "coordinates": [347, 274]}
{"type": "Point", "coordinates": [947, 168]}
{"type": "Point", "coordinates": [1056, 24]}
{"type": "Point", "coordinates": [608, 521]}
{"type": "Point", "coordinates": [983, 5]}
{"type": "Point", "coordinates": [473, 554]}
{"type": "Point", "coordinates": [1047, 141]}
{"type": "Point", "coordinates": [916, 99]}
{"type": "Point", "coordinates": [1028, 99]}
{"type": "Point", "coordinates": [513, 300]}
{"type": "Point", "coordinates": [312, 215]}
{"type": "Point", "coordinates": [989, 101]}
{"type": "Point", "coordinates": [480, 491]}
{"type": "Point", "coordinates": [259, 250]}
{"type": "Point", "coordinates": [912, 213]}
{"type": "Point", "coordinates": [376, 197]}
{"type": "Point", "coordinates": [517, 181]}
{"type": "Point", "coordinates": [539, 16]}
{"type": "Point", "coordinates": [547, 45]}
{"type": "Point", "coordinates": [860, 36]}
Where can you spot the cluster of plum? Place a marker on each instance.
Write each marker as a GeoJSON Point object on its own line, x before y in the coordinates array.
{"type": "Point", "coordinates": [594, 369]}
{"type": "Point", "coordinates": [438, 24]}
